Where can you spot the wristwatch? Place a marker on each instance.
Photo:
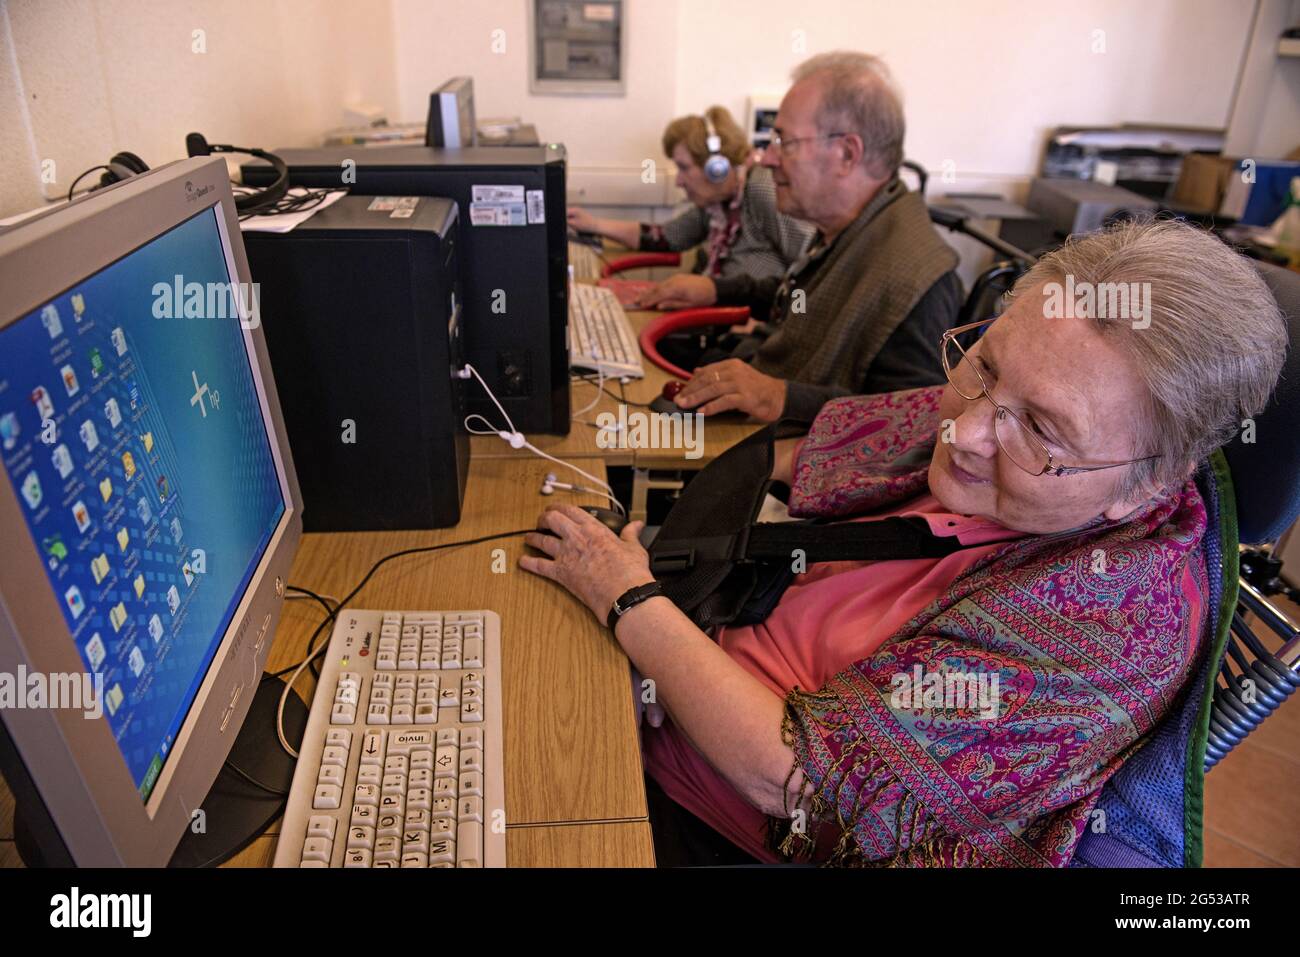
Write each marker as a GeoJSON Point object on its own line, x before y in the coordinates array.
{"type": "Point", "coordinates": [630, 599]}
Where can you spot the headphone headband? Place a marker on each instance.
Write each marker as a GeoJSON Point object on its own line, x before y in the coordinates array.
{"type": "Point", "coordinates": [197, 145]}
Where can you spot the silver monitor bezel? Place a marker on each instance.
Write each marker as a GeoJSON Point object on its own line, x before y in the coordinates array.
{"type": "Point", "coordinates": [75, 763]}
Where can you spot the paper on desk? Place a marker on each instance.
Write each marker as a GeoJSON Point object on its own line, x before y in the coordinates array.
{"type": "Point", "coordinates": [283, 222]}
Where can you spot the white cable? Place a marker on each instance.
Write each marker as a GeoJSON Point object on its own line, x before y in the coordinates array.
{"type": "Point", "coordinates": [600, 389]}
{"type": "Point", "coordinates": [284, 697]}
{"type": "Point", "coordinates": [518, 441]}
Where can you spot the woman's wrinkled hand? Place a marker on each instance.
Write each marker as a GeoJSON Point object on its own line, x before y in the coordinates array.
{"type": "Point", "coordinates": [584, 556]}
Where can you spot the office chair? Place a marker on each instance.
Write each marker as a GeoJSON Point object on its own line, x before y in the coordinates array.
{"type": "Point", "coordinates": [1150, 813]}
{"type": "Point", "coordinates": [639, 261]}
{"type": "Point", "coordinates": [1265, 473]}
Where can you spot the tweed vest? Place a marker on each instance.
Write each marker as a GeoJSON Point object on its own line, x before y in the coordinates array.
{"type": "Point", "coordinates": [866, 284]}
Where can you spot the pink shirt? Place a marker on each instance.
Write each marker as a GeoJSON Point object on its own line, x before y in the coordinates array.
{"type": "Point", "coordinates": [834, 614]}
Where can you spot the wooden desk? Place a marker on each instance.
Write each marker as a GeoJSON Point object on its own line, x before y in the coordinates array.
{"type": "Point", "coordinates": [574, 787]}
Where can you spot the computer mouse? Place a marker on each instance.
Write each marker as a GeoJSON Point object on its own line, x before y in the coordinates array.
{"type": "Point", "coordinates": [606, 516]}
{"type": "Point", "coordinates": [664, 401]}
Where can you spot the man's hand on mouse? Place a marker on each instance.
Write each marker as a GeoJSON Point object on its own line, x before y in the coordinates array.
{"type": "Point", "coordinates": [683, 291]}
{"type": "Point", "coordinates": [584, 556]}
{"type": "Point", "coordinates": [733, 384]}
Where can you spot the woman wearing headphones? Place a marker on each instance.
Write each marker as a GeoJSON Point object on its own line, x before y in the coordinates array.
{"type": "Point", "coordinates": [734, 212]}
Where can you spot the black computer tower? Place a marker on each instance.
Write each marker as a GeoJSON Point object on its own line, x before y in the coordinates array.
{"type": "Point", "coordinates": [514, 257]}
{"type": "Point", "coordinates": [362, 314]}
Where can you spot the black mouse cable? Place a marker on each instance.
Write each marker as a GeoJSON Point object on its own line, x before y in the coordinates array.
{"type": "Point", "coordinates": [298, 668]}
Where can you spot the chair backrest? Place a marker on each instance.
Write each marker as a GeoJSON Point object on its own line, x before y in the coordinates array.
{"type": "Point", "coordinates": [1266, 470]}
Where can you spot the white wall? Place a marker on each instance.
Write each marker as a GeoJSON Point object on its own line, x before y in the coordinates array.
{"type": "Point", "coordinates": [82, 79]}
{"type": "Point", "coordinates": [984, 80]}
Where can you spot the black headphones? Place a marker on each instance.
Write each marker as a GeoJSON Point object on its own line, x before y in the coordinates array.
{"type": "Point", "coordinates": [124, 165]}
{"type": "Point", "coordinates": [196, 145]}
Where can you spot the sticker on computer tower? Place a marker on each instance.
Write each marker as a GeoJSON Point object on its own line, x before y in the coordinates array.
{"type": "Point", "coordinates": [537, 206]}
{"type": "Point", "coordinates": [497, 214]}
{"type": "Point", "coordinates": [387, 204]}
{"type": "Point", "coordinates": [497, 195]}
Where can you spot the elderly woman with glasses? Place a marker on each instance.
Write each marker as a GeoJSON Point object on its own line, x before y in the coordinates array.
{"type": "Point", "coordinates": [1060, 456]}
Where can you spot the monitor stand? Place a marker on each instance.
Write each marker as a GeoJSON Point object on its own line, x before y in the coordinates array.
{"type": "Point", "coordinates": [235, 812]}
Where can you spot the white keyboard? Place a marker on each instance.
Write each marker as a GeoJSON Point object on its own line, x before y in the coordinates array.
{"type": "Point", "coordinates": [585, 261]}
{"type": "Point", "coordinates": [600, 337]}
{"type": "Point", "coordinates": [401, 762]}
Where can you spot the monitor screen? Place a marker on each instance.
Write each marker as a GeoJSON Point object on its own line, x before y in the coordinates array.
{"type": "Point", "coordinates": [132, 431]}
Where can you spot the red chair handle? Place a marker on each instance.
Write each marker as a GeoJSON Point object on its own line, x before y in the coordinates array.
{"type": "Point", "coordinates": [640, 261]}
{"type": "Point", "coordinates": [660, 326]}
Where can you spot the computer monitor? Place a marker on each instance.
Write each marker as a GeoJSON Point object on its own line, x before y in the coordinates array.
{"type": "Point", "coordinates": [149, 511]}
{"type": "Point", "coordinates": [451, 115]}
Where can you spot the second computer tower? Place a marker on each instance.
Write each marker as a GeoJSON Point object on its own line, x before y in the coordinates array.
{"type": "Point", "coordinates": [513, 258]}
{"type": "Point", "coordinates": [362, 315]}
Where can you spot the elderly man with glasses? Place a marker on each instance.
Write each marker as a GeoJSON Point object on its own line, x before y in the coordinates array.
{"type": "Point", "coordinates": [861, 311]}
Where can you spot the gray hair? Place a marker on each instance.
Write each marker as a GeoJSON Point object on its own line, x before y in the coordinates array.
{"type": "Point", "coordinates": [1215, 344]}
{"type": "Point", "coordinates": [859, 96]}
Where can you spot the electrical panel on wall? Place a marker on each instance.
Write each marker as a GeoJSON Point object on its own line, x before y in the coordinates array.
{"type": "Point", "coordinates": [577, 46]}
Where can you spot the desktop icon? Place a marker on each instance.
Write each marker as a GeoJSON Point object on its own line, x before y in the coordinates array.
{"type": "Point", "coordinates": [119, 340]}
{"type": "Point", "coordinates": [99, 567]}
{"type": "Point", "coordinates": [32, 490]}
{"type": "Point", "coordinates": [44, 404]}
{"type": "Point", "coordinates": [147, 441]}
{"type": "Point", "coordinates": [106, 488]}
{"type": "Point", "coordinates": [78, 306]}
{"type": "Point", "coordinates": [89, 435]}
{"type": "Point", "coordinates": [9, 430]}
{"type": "Point", "coordinates": [162, 488]}
{"type": "Point", "coordinates": [81, 515]}
{"type": "Point", "coordinates": [136, 661]}
{"type": "Point", "coordinates": [70, 380]}
{"type": "Point", "coordinates": [173, 599]}
{"type": "Point", "coordinates": [128, 465]}
{"type": "Point", "coordinates": [176, 528]}
{"type": "Point", "coordinates": [143, 510]}
{"type": "Point", "coordinates": [135, 396]}
{"type": "Point", "coordinates": [188, 573]}
{"type": "Point", "coordinates": [113, 700]}
{"type": "Point", "coordinates": [96, 363]}
{"type": "Point", "coordinates": [113, 413]}
{"type": "Point", "coordinates": [62, 460]}
{"type": "Point", "coordinates": [95, 651]}
{"type": "Point", "coordinates": [76, 604]}
{"type": "Point", "coordinates": [138, 585]}
{"type": "Point", "coordinates": [155, 628]}
{"type": "Point", "coordinates": [123, 539]}
{"type": "Point", "coordinates": [117, 616]}
{"type": "Point", "coordinates": [51, 321]}
{"type": "Point", "coordinates": [54, 547]}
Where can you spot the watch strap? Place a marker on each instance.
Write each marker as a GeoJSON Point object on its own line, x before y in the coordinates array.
{"type": "Point", "coordinates": [630, 599]}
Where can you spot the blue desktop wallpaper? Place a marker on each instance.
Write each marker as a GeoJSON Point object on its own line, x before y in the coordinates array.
{"type": "Point", "coordinates": [137, 449]}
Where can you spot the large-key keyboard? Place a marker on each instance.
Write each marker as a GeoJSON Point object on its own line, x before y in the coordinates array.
{"type": "Point", "coordinates": [400, 765]}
